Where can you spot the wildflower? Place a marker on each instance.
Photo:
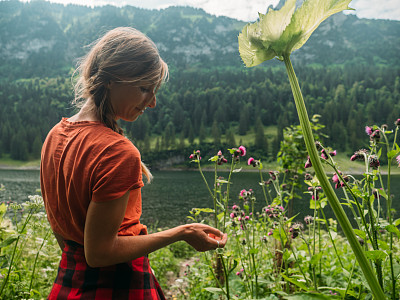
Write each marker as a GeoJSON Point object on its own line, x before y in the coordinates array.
{"type": "Point", "coordinates": [253, 162]}
{"type": "Point", "coordinates": [242, 150]}
{"type": "Point", "coordinates": [247, 218]}
{"type": "Point", "coordinates": [221, 159]}
{"type": "Point", "coordinates": [235, 207]}
{"type": "Point", "coordinates": [323, 154]}
{"type": "Point", "coordinates": [232, 215]}
{"type": "Point", "coordinates": [332, 153]}
{"type": "Point", "coordinates": [308, 220]}
{"type": "Point", "coordinates": [295, 229]}
{"type": "Point", "coordinates": [314, 191]}
{"type": "Point", "coordinates": [195, 156]}
{"type": "Point", "coordinates": [274, 211]}
{"type": "Point", "coordinates": [397, 122]}
{"type": "Point", "coordinates": [359, 155]}
{"type": "Point", "coordinates": [335, 178]}
{"type": "Point", "coordinates": [373, 161]}
{"type": "Point", "coordinates": [398, 159]}
{"type": "Point", "coordinates": [375, 136]}
{"type": "Point", "coordinates": [368, 130]}
{"type": "Point", "coordinates": [246, 195]}
{"type": "Point", "coordinates": [308, 163]}
{"type": "Point", "coordinates": [273, 174]}
{"type": "Point", "coordinates": [308, 176]}
{"type": "Point", "coordinates": [271, 232]}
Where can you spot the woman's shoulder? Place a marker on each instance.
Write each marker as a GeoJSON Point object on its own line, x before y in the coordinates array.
{"type": "Point", "coordinates": [96, 137]}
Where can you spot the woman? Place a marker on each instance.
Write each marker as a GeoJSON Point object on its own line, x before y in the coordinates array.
{"type": "Point", "coordinates": [91, 177]}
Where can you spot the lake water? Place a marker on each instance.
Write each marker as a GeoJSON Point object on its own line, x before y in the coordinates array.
{"type": "Point", "coordinates": [172, 194]}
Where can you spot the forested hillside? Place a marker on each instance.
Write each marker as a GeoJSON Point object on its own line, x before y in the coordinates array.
{"type": "Point", "coordinates": [349, 72]}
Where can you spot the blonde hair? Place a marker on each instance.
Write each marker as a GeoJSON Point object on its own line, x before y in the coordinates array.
{"type": "Point", "coordinates": [122, 55]}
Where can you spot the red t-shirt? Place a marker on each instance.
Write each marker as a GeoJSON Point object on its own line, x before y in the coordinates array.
{"type": "Point", "coordinates": [83, 162]}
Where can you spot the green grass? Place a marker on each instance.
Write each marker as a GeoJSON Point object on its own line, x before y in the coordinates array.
{"type": "Point", "coordinates": [7, 162]}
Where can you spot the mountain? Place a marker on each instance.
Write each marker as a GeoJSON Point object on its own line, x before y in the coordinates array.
{"type": "Point", "coordinates": [40, 38]}
{"type": "Point", "coordinates": [349, 71]}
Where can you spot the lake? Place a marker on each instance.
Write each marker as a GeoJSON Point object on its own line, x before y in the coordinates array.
{"type": "Point", "coordinates": [172, 194]}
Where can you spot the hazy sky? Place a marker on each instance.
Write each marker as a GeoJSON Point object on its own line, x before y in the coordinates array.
{"type": "Point", "coordinates": [247, 10]}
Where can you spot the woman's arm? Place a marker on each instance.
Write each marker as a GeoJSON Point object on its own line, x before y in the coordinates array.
{"type": "Point", "coordinates": [103, 246]}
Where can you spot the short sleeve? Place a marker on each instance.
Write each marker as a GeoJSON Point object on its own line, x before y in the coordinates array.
{"type": "Point", "coordinates": [118, 171]}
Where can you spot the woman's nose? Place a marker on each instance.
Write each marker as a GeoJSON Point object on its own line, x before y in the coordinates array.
{"type": "Point", "coordinates": [152, 102]}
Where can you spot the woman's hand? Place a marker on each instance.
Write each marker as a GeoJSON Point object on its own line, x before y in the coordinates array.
{"type": "Point", "coordinates": [203, 237]}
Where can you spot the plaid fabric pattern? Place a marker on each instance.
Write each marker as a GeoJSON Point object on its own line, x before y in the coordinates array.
{"type": "Point", "coordinates": [76, 280]}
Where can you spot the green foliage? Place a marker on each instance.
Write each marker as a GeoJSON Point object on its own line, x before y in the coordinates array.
{"type": "Point", "coordinates": [29, 254]}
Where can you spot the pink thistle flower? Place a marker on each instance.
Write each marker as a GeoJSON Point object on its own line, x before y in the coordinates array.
{"type": "Point", "coordinates": [333, 153]}
{"type": "Point", "coordinates": [368, 130]}
{"type": "Point", "coordinates": [219, 153]}
{"type": "Point", "coordinates": [191, 156]}
{"type": "Point", "coordinates": [234, 206]}
{"type": "Point", "coordinates": [270, 233]}
{"type": "Point", "coordinates": [398, 159]}
{"type": "Point", "coordinates": [232, 215]}
{"type": "Point", "coordinates": [323, 154]}
{"type": "Point", "coordinates": [242, 150]}
{"type": "Point", "coordinates": [308, 163]}
{"type": "Point", "coordinates": [247, 218]}
{"type": "Point", "coordinates": [242, 193]}
{"type": "Point", "coordinates": [374, 162]}
{"type": "Point", "coordinates": [335, 178]}
{"type": "Point", "coordinates": [250, 160]}
{"type": "Point", "coordinates": [238, 273]}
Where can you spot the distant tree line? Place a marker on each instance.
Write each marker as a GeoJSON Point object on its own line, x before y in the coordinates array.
{"type": "Point", "coordinates": [220, 105]}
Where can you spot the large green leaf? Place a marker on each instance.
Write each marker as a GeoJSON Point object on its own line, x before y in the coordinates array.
{"type": "Point", "coordinates": [279, 32]}
{"type": "Point", "coordinates": [307, 18]}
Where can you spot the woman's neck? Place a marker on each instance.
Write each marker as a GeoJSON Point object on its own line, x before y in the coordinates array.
{"type": "Point", "coordinates": [88, 112]}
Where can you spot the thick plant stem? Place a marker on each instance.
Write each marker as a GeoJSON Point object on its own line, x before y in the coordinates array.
{"type": "Point", "coordinates": [326, 186]}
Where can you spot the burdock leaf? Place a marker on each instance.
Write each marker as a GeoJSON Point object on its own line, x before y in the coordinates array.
{"type": "Point", "coordinates": [279, 32]}
{"type": "Point", "coordinates": [307, 18]}
{"type": "Point", "coordinates": [257, 40]}
{"type": "Point", "coordinates": [252, 53]}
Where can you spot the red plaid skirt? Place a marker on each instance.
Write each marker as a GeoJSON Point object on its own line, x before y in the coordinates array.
{"type": "Point", "coordinates": [76, 280]}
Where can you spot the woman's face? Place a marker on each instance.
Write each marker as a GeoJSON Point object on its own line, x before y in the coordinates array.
{"type": "Point", "coordinates": [129, 102]}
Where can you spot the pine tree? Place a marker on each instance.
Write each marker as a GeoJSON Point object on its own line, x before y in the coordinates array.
{"type": "Point", "coordinates": [191, 135]}
{"type": "Point", "coordinates": [216, 133]}
{"type": "Point", "coordinates": [260, 141]}
{"type": "Point", "coordinates": [36, 147]}
{"type": "Point", "coordinates": [202, 134]}
{"type": "Point", "coordinates": [230, 138]}
{"type": "Point", "coordinates": [244, 121]}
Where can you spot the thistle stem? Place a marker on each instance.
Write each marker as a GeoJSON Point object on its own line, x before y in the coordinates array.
{"type": "Point", "coordinates": [329, 192]}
